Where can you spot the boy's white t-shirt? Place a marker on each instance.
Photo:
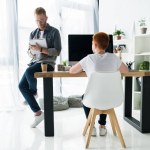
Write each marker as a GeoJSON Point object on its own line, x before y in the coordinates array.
{"type": "Point", "coordinates": [100, 62]}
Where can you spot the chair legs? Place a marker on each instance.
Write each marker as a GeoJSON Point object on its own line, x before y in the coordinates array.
{"type": "Point", "coordinates": [87, 123]}
{"type": "Point", "coordinates": [93, 116]}
{"type": "Point", "coordinates": [118, 129]}
{"type": "Point", "coordinates": [113, 121]}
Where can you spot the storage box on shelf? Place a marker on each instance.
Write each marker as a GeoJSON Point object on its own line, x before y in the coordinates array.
{"type": "Point", "coordinates": [126, 49]}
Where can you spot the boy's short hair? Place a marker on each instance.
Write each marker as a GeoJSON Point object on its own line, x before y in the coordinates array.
{"type": "Point", "coordinates": [101, 39]}
{"type": "Point", "coordinates": [39, 11]}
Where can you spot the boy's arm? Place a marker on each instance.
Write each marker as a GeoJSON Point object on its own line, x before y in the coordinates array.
{"type": "Point", "coordinates": [76, 69]}
{"type": "Point", "coordinates": [123, 68]}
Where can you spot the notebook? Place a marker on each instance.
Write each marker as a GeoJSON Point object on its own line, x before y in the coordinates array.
{"type": "Point", "coordinates": [40, 42]}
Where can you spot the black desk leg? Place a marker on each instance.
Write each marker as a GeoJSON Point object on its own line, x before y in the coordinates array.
{"type": "Point", "coordinates": [145, 105]}
{"type": "Point", "coordinates": [128, 104]}
{"type": "Point", "coordinates": [128, 97]}
{"type": "Point", "coordinates": [144, 124]}
{"type": "Point", "coordinates": [48, 106]}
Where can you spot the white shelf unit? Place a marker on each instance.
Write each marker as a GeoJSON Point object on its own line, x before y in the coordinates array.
{"type": "Point", "coordinates": [136, 103]}
{"type": "Point", "coordinates": [141, 53]}
{"type": "Point", "coordinates": [139, 59]}
{"type": "Point", "coordinates": [141, 46]}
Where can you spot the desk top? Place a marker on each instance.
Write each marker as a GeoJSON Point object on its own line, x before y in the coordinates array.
{"type": "Point", "coordinates": [56, 74]}
{"type": "Point", "coordinates": [136, 73]}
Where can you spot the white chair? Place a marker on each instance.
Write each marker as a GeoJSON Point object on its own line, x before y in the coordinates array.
{"type": "Point", "coordinates": [103, 93]}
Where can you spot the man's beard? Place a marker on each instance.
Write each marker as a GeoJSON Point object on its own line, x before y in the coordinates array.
{"type": "Point", "coordinates": [43, 26]}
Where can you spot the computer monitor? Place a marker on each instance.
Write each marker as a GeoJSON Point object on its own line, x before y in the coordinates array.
{"type": "Point", "coordinates": [80, 45]}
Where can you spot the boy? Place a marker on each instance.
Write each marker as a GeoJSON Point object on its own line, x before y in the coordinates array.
{"type": "Point", "coordinates": [99, 61]}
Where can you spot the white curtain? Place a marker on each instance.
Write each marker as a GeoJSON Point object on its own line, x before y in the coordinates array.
{"type": "Point", "coordinates": [69, 16]}
{"type": "Point", "coordinates": [77, 17]}
{"type": "Point", "coordinates": [9, 56]}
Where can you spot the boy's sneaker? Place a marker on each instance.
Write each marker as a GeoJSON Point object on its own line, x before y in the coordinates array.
{"type": "Point", "coordinates": [102, 131]}
{"type": "Point", "coordinates": [37, 120]}
{"type": "Point", "coordinates": [93, 132]}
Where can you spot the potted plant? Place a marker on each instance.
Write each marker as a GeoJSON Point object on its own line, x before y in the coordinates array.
{"type": "Point", "coordinates": [143, 26]}
{"type": "Point", "coordinates": [118, 34]}
{"type": "Point", "coordinates": [64, 62]}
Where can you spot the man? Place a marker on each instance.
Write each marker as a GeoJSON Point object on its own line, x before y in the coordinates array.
{"type": "Point", "coordinates": [28, 84]}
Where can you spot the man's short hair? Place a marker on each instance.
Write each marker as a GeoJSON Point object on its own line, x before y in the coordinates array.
{"type": "Point", "coordinates": [101, 39]}
{"type": "Point", "coordinates": [39, 11]}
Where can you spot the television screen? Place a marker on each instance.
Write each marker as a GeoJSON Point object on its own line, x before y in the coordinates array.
{"type": "Point", "coordinates": [80, 45]}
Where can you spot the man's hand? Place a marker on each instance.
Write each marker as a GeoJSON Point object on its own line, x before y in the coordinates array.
{"type": "Point", "coordinates": [35, 47]}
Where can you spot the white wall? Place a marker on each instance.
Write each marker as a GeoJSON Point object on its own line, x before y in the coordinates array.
{"type": "Point", "coordinates": [123, 14]}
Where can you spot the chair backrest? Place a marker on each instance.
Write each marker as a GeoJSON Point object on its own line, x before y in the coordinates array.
{"type": "Point", "coordinates": [104, 90]}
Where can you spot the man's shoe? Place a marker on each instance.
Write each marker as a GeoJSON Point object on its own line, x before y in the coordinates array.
{"type": "Point", "coordinates": [93, 132]}
{"type": "Point", "coordinates": [102, 131]}
{"type": "Point", "coordinates": [25, 102]}
{"type": "Point", "coordinates": [37, 120]}
{"type": "Point", "coordinates": [36, 96]}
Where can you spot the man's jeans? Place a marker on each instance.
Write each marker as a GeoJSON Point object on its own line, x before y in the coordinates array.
{"type": "Point", "coordinates": [28, 85]}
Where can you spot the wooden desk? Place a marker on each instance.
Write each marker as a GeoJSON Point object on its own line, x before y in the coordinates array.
{"type": "Point", "coordinates": [48, 96]}
{"type": "Point", "coordinates": [142, 126]}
